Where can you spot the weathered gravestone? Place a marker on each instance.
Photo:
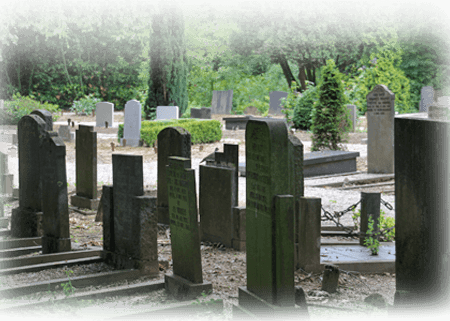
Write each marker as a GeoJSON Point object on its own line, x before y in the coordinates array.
{"type": "Point", "coordinates": [25, 220]}
{"type": "Point", "coordinates": [55, 219]}
{"type": "Point", "coordinates": [218, 195]}
{"type": "Point", "coordinates": [275, 102]}
{"type": "Point", "coordinates": [64, 133]}
{"type": "Point", "coordinates": [167, 112]}
{"type": "Point", "coordinates": [426, 98]}
{"type": "Point", "coordinates": [269, 219]}
{"type": "Point", "coordinates": [132, 123]}
{"type": "Point", "coordinates": [46, 116]}
{"type": "Point", "coordinates": [202, 113]}
{"type": "Point", "coordinates": [222, 102]}
{"type": "Point", "coordinates": [172, 141]}
{"type": "Point", "coordinates": [352, 109]}
{"type": "Point", "coordinates": [130, 229]}
{"type": "Point", "coordinates": [187, 280]}
{"type": "Point", "coordinates": [380, 130]}
{"type": "Point", "coordinates": [86, 168]}
{"type": "Point", "coordinates": [422, 200]}
{"type": "Point", "coordinates": [104, 112]}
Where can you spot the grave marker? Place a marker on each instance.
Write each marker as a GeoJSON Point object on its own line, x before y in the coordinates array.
{"type": "Point", "coordinates": [426, 98]}
{"type": "Point", "coordinates": [172, 141]}
{"type": "Point", "coordinates": [132, 124]}
{"type": "Point", "coordinates": [64, 133]}
{"type": "Point", "coordinates": [104, 113]}
{"type": "Point", "coordinates": [275, 102]}
{"type": "Point", "coordinates": [352, 109]}
{"type": "Point", "coordinates": [380, 130]}
{"type": "Point", "coordinates": [25, 219]}
{"type": "Point", "coordinates": [202, 113]}
{"type": "Point", "coordinates": [167, 112]}
{"type": "Point", "coordinates": [55, 218]}
{"type": "Point", "coordinates": [422, 200]}
{"type": "Point", "coordinates": [187, 279]}
{"type": "Point", "coordinates": [46, 116]}
{"type": "Point", "coordinates": [86, 168]}
{"type": "Point", "coordinates": [222, 102]}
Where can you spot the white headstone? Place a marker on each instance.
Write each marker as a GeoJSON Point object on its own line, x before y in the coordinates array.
{"type": "Point", "coordinates": [275, 103]}
{"type": "Point", "coordinates": [426, 98]}
{"type": "Point", "coordinates": [380, 130]}
{"type": "Point", "coordinates": [222, 102]}
{"type": "Point", "coordinates": [132, 123]}
{"type": "Point", "coordinates": [104, 112]}
{"type": "Point", "coordinates": [166, 112]}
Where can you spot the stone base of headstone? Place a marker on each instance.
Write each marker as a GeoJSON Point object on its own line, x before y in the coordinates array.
{"type": "Point", "coordinates": [163, 215]}
{"type": "Point", "coordinates": [121, 262]}
{"type": "Point", "coordinates": [130, 142]}
{"type": "Point", "coordinates": [238, 239]}
{"type": "Point", "coordinates": [184, 289]}
{"type": "Point", "coordinates": [84, 202]}
{"type": "Point", "coordinates": [263, 309]}
{"type": "Point", "coordinates": [330, 280]}
{"type": "Point", "coordinates": [26, 223]}
{"type": "Point", "coordinates": [55, 245]}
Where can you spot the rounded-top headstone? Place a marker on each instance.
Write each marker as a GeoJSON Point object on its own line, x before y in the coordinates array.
{"type": "Point", "coordinates": [46, 117]}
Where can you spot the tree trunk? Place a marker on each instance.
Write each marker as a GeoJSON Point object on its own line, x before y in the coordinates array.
{"type": "Point", "coordinates": [286, 69]}
{"type": "Point", "coordinates": [302, 77]}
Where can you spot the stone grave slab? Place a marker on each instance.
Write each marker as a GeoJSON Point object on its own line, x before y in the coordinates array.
{"type": "Point", "coordinates": [167, 112]}
{"type": "Point", "coordinates": [104, 112]}
{"type": "Point", "coordinates": [380, 130]}
{"type": "Point", "coordinates": [132, 123]}
{"type": "Point", "coordinates": [202, 113]}
{"type": "Point", "coordinates": [275, 103]}
{"type": "Point", "coordinates": [222, 102]}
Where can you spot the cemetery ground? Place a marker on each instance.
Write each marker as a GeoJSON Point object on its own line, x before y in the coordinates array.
{"type": "Point", "coordinates": [225, 268]}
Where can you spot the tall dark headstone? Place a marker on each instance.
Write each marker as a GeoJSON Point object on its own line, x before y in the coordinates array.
{"type": "Point", "coordinates": [86, 168]}
{"type": "Point", "coordinates": [269, 217]}
{"type": "Point", "coordinates": [46, 116]}
{"type": "Point", "coordinates": [172, 141]}
{"type": "Point", "coordinates": [55, 219]}
{"type": "Point", "coordinates": [219, 195]}
{"type": "Point", "coordinates": [25, 218]}
{"type": "Point", "coordinates": [134, 217]}
{"type": "Point", "coordinates": [422, 202]}
{"type": "Point", "coordinates": [187, 279]}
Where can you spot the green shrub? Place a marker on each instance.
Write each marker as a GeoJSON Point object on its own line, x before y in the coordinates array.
{"type": "Point", "coordinates": [85, 104]}
{"type": "Point", "coordinates": [303, 110]}
{"type": "Point", "coordinates": [330, 115]}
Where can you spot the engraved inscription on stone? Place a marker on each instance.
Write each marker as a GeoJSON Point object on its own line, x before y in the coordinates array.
{"type": "Point", "coordinates": [378, 102]}
{"type": "Point", "coordinates": [258, 171]}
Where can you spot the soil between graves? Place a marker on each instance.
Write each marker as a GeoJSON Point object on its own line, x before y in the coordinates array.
{"type": "Point", "coordinates": [224, 268]}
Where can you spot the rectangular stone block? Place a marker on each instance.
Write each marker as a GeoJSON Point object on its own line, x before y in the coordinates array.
{"type": "Point", "coordinates": [132, 123]}
{"type": "Point", "coordinates": [104, 112]}
{"type": "Point", "coordinates": [217, 199]}
{"type": "Point", "coordinates": [167, 112]}
{"type": "Point", "coordinates": [185, 240]}
{"type": "Point", "coordinates": [380, 130]}
{"type": "Point", "coordinates": [55, 220]}
{"type": "Point", "coordinates": [421, 211]}
{"type": "Point", "coordinates": [275, 102]}
{"type": "Point", "coordinates": [172, 141]}
{"type": "Point", "coordinates": [202, 113]}
{"type": "Point", "coordinates": [222, 102]}
{"type": "Point", "coordinates": [183, 289]}
{"type": "Point", "coordinates": [64, 133]}
{"type": "Point", "coordinates": [308, 234]}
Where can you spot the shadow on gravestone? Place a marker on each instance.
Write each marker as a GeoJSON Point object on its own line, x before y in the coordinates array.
{"type": "Point", "coordinates": [172, 141]}
{"type": "Point", "coordinates": [222, 102]}
{"type": "Point", "coordinates": [25, 220]}
{"type": "Point", "coordinates": [187, 280]}
{"type": "Point", "coordinates": [86, 168]}
{"type": "Point", "coordinates": [55, 219]}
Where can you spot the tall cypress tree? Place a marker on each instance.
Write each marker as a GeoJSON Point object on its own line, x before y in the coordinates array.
{"type": "Point", "coordinates": [167, 85]}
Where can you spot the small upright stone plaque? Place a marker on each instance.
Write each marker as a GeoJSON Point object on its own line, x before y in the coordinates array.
{"type": "Point", "coordinates": [222, 102]}
{"type": "Point", "coordinates": [275, 102]}
{"type": "Point", "coordinates": [104, 113]}
{"type": "Point", "coordinates": [380, 130]}
{"type": "Point", "coordinates": [166, 112]}
{"type": "Point", "coordinates": [64, 133]}
{"type": "Point", "coordinates": [132, 124]}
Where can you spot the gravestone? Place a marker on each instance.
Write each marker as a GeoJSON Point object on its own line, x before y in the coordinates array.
{"type": "Point", "coordinates": [25, 219]}
{"type": "Point", "coordinates": [352, 109]}
{"type": "Point", "coordinates": [269, 218]}
{"type": "Point", "coordinates": [275, 102]}
{"type": "Point", "coordinates": [55, 218]}
{"type": "Point", "coordinates": [380, 130]}
{"type": "Point", "coordinates": [64, 133]}
{"type": "Point", "coordinates": [426, 98]}
{"type": "Point", "coordinates": [222, 102]}
{"type": "Point", "coordinates": [187, 279]}
{"type": "Point", "coordinates": [104, 112]}
{"type": "Point", "coordinates": [86, 168]}
{"type": "Point", "coordinates": [6, 180]}
{"type": "Point", "coordinates": [422, 200]}
{"type": "Point", "coordinates": [219, 195]}
{"type": "Point", "coordinates": [46, 116]}
{"type": "Point", "coordinates": [132, 218]}
{"type": "Point", "coordinates": [202, 113]}
{"type": "Point", "coordinates": [172, 141]}
{"type": "Point", "coordinates": [132, 123]}
{"type": "Point", "coordinates": [167, 112]}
